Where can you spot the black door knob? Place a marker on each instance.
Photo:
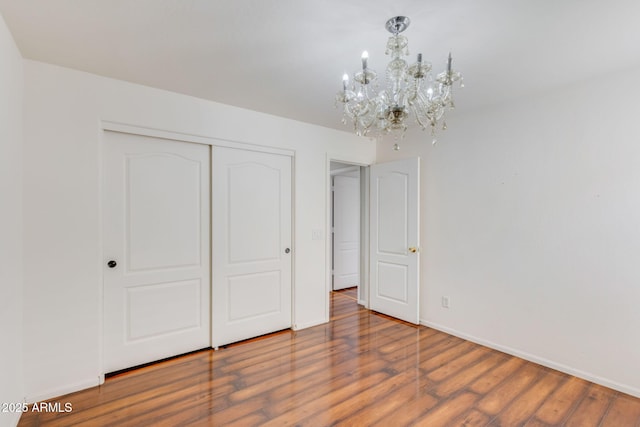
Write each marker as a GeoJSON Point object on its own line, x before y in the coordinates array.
{"type": "Point", "coordinates": [112, 264]}
{"type": "Point", "coordinates": [286, 251]}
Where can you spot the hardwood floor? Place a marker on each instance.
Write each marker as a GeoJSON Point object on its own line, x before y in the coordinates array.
{"type": "Point", "coordinates": [361, 369]}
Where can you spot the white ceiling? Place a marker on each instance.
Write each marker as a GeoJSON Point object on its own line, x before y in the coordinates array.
{"type": "Point", "coordinates": [286, 57]}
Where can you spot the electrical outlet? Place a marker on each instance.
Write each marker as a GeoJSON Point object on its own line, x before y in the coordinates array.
{"type": "Point", "coordinates": [445, 302]}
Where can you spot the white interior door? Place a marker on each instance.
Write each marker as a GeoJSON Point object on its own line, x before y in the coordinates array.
{"type": "Point", "coordinates": [346, 230]}
{"type": "Point", "coordinates": [395, 245]}
{"type": "Point", "coordinates": [251, 244]}
{"type": "Point", "coordinates": [156, 247]}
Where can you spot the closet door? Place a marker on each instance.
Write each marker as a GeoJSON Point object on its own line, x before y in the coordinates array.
{"type": "Point", "coordinates": [156, 216]}
{"type": "Point", "coordinates": [252, 251]}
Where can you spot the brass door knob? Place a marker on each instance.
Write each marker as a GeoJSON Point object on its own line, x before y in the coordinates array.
{"type": "Point", "coordinates": [413, 249]}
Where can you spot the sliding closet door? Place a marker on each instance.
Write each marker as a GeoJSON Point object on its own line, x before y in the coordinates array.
{"type": "Point", "coordinates": [252, 251]}
{"type": "Point", "coordinates": [157, 249]}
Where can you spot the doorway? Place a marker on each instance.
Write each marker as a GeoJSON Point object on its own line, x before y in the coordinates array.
{"type": "Point", "coordinates": [389, 237]}
{"type": "Point", "coordinates": [348, 236]}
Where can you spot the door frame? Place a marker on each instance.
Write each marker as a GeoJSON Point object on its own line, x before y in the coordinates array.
{"type": "Point", "coordinates": [363, 289]}
{"type": "Point", "coordinates": [105, 126]}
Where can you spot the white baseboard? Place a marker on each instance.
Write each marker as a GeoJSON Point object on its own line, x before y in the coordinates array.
{"type": "Point", "coordinates": [14, 418]}
{"type": "Point", "coordinates": [61, 391]}
{"type": "Point", "coordinates": [624, 388]}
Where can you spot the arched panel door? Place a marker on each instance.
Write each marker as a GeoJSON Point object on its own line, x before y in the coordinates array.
{"type": "Point", "coordinates": [156, 249]}
{"type": "Point", "coordinates": [252, 252]}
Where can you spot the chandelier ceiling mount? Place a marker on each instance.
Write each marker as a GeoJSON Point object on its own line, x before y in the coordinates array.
{"type": "Point", "coordinates": [397, 24]}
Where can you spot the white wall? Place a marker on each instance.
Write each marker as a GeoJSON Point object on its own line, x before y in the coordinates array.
{"type": "Point", "coordinates": [63, 112]}
{"type": "Point", "coordinates": [11, 90]}
{"type": "Point", "coordinates": [531, 225]}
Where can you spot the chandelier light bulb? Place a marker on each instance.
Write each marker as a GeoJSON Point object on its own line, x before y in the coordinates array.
{"type": "Point", "coordinates": [365, 56]}
{"type": "Point", "coordinates": [407, 94]}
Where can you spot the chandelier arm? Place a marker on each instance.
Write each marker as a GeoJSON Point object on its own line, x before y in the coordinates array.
{"type": "Point", "coordinates": [419, 119]}
{"type": "Point", "coordinates": [369, 123]}
{"type": "Point", "coordinates": [422, 110]}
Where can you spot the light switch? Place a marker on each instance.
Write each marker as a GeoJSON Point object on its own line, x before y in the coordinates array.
{"type": "Point", "coordinates": [317, 234]}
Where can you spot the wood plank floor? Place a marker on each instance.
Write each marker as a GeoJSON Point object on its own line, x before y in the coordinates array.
{"type": "Point", "coordinates": [361, 369]}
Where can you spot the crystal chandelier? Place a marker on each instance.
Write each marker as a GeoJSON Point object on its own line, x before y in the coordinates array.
{"type": "Point", "coordinates": [410, 91]}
